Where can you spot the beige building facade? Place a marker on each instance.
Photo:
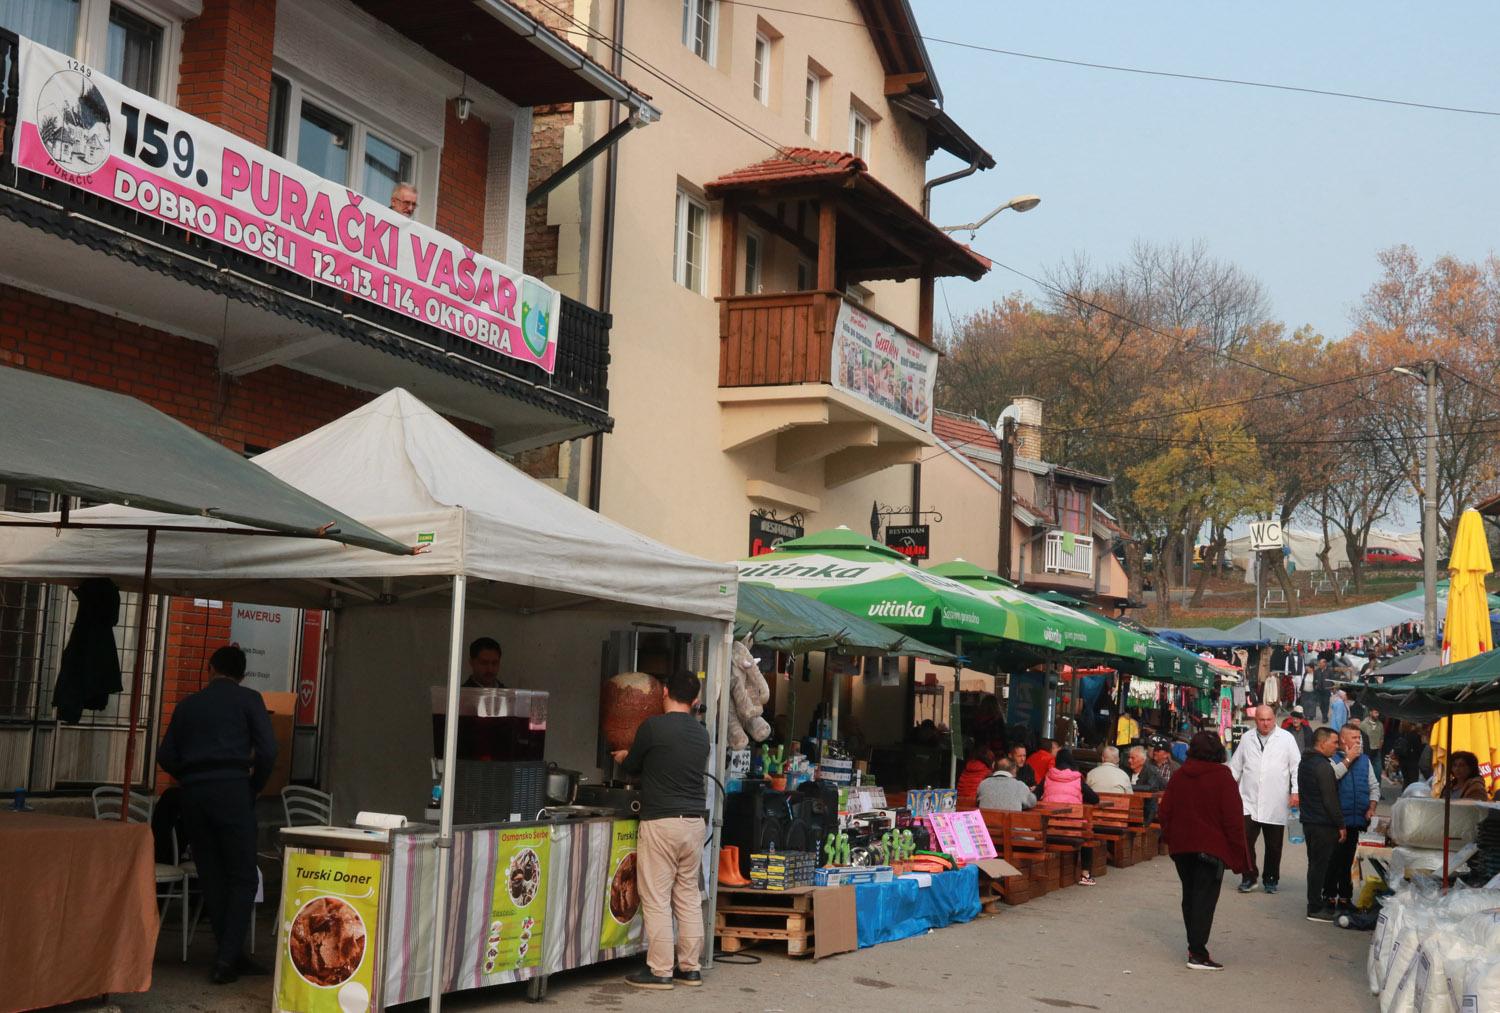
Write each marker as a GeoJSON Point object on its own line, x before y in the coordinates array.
{"type": "Point", "coordinates": [775, 206]}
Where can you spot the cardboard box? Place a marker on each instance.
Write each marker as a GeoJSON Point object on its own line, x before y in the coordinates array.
{"type": "Point", "coordinates": [283, 708]}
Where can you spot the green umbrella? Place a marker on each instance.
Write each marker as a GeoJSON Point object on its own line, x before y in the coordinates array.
{"type": "Point", "coordinates": [789, 622]}
{"type": "Point", "coordinates": [858, 575]}
{"type": "Point", "coordinates": [1166, 663]}
{"type": "Point", "coordinates": [1470, 686]}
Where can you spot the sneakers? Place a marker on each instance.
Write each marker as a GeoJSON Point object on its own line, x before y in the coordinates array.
{"type": "Point", "coordinates": [1203, 962]}
{"type": "Point", "coordinates": [690, 978]}
{"type": "Point", "coordinates": [1087, 879]}
{"type": "Point", "coordinates": [1247, 883]}
{"type": "Point", "coordinates": [1322, 914]}
{"type": "Point", "coordinates": [1271, 885]}
{"type": "Point", "coordinates": [645, 979]}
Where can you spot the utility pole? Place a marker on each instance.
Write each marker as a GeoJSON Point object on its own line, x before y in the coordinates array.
{"type": "Point", "coordinates": [1430, 518]}
{"type": "Point", "coordinates": [1007, 492]}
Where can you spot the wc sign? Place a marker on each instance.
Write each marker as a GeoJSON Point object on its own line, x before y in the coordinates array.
{"type": "Point", "coordinates": [1265, 535]}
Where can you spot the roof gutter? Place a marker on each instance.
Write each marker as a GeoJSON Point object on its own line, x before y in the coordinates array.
{"type": "Point", "coordinates": [542, 38]}
{"type": "Point", "coordinates": [932, 184]}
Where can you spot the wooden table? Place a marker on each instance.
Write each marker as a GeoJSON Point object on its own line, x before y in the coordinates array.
{"type": "Point", "coordinates": [78, 912]}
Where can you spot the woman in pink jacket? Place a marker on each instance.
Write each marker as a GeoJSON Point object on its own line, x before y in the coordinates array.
{"type": "Point", "coordinates": [1064, 783]}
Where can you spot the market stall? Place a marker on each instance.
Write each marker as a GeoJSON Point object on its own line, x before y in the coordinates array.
{"type": "Point", "coordinates": [505, 557]}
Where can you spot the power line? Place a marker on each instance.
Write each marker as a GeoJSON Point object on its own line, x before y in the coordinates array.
{"type": "Point", "coordinates": [1142, 71]}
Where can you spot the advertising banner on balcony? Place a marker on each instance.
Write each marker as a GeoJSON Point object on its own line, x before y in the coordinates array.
{"type": "Point", "coordinates": [77, 126]}
{"type": "Point", "coordinates": [878, 363]}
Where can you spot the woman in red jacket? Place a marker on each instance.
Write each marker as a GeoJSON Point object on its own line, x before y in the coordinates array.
{"type": "Point", "coordinates": [1202, 821]}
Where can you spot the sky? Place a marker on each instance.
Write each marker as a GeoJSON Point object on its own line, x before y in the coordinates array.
{"type": "Point", "coordinates": [1301, 191]}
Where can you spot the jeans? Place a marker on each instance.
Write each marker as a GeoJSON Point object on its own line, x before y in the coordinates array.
{"type": "Point", "coordinates": [1200, 896]}
{"type": "Point", "coordinates": [220, 817]}
{"type": "Point", "coordinates": [1275, 833]}
{"type": "Point", "coordinates": [1339, 883]}
{"type": "Point", "coordinates": [669, 852]}
{"type": "Point", "coordinates": [1321, 843]}
{"type": "Point", "coordinates": [1324, 699]}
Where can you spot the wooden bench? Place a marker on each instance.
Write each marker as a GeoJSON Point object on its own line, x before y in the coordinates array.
{"type": "Point", "coordinates": [1113, 824]}
{"type": "Point", "coordinates": [1073, 824]}
{"type": "Point", "coordinates": [1026, 850]}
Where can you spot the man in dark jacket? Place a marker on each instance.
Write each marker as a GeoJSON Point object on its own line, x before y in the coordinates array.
{"type": "Point", "coordinates": [1322, 819]}
{"type": "Point", "coordinates": [220, 748]}
{"type": "Point", "coordinates": [1359, 795]}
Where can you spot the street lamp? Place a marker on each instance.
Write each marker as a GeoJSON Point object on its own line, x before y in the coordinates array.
{"type": "Point", "coordinates": [1428, 376]}
{"type": "Point", "coordinates": [1020, 204]}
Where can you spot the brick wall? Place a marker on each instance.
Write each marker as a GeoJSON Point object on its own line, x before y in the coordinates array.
{"type": "Point", "coordinates": [462, 178]}
{"type": "Point", "coordinates": [226, 65]}
{"type": "Point", "coordinates": [180, 377]}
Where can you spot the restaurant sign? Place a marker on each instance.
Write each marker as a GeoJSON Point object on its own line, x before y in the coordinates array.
{"type": "Point", "coordinates": [766, 534]}
{"type": "Point", "coordinates": [329, 933]}
{"type": "Point", "coordinates": [911, 540]}
{"type": "Point", "coordinates": [878, 363]}
{"type": "Point", "coordinates": [77, 126]}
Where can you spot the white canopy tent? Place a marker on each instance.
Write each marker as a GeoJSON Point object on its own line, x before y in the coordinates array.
{"type": "Point", "coordinates": [1304, 547]}
{"type": "Point", "coordinates": [498, 542]}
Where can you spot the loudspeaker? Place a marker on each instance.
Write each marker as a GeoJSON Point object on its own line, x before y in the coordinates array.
{"type": "Point", "coordinates": [814, 815]}
{"type": "Point", "coordinates": [756, 819]}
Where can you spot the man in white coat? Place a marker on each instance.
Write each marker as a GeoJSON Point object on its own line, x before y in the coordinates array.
{"type": "Point", "coordinates": [1265, 765]}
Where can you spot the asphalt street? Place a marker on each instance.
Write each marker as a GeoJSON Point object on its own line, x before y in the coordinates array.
{"type": "Point", "coordinates": [1115, 946]}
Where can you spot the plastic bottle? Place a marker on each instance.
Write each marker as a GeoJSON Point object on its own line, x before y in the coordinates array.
{"type": "Point", "coordinates": [1294, 826]}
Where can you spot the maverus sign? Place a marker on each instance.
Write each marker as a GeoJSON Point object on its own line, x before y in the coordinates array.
{"type": "Point", "coordinates": [75, 125]}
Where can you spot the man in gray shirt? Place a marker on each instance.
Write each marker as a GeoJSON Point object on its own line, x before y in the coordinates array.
{"type": "Point", "coordinates": [1001, 790]}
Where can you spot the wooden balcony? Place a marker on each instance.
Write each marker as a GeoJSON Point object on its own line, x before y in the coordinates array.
{"type": "Point", "coordinates": [774, 339]}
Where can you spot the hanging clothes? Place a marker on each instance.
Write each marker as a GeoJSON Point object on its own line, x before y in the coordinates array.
{"type": "Point", "coordinates": [90, 670]}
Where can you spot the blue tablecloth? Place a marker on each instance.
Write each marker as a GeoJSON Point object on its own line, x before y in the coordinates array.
{"type": "Point", "coordinates": [898, 909]}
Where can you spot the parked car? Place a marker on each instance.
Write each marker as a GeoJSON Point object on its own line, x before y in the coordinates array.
{"type": "Point", "coordinates": [1376, 556]}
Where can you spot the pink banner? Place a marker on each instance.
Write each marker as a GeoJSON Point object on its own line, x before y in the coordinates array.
{"type": "Point", "coordinates": [92, 133]}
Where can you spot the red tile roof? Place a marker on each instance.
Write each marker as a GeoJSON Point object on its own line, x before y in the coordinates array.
{"type": "Point", "coordinates": [962, 432]}
{"type": "Point", "coordinates": [849, 178]}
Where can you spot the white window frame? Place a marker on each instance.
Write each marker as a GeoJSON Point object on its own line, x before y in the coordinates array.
{"type": "Point", "coordinates": [860, 147]}
{"type": "Point", "coordinates": [682, 270]}
{"type": "Point", "coordinates": [359, 132]}
{"type": "Point", "coordinates": [92, 44]}
{"type": "Point", "coordinates": [760, 69]}
{"type": "Point", "coordinates": [812, 91]}
{"type": "Point", "coordinates": [694, 11]}
{"type": "Point", "coordinates": [755, 262]}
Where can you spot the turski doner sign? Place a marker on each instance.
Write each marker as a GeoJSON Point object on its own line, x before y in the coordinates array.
{"type": "Point", "coordinates": [77, 126]}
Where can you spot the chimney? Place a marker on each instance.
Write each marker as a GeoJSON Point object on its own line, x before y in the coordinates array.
{"type": "Point", "coordinates": [1027, 411]}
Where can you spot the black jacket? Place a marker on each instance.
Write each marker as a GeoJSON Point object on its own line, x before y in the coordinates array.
{"type": "Point", "coordinates": [220, 732]}
{"type": "Point", "coordinates": [90, 669]}
{"type": "Point", "coordinates": [1319, 790]}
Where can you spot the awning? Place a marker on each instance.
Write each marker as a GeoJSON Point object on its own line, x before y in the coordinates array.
{"type": "Point", "coordinates": [785, 621]}
{"type": "Point", "coordinates": [104, 447]}
{"type": "Point", "coordinates": [1471, 686]}
{"type": "Point", "coordinates": [1205, 636]}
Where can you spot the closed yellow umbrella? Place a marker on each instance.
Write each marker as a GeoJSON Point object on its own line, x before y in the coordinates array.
{"type": "Point", "coordinates": [1466, 633]}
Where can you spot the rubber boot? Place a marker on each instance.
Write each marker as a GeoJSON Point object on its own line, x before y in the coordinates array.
{"type": "Point", "coordinates": [729, 868]}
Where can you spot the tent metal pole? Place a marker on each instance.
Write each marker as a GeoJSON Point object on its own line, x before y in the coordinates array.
{"type": "Point", "coordinates": [143, 610]}
{"type": "Point", "coordinates": [445, 820]}
{"type": "Point", "coordinates": [1448, 796]}
{"type": "Point", "coordinates": [718, 701]}
{"type": "Point", "coordinates": [955, 734]}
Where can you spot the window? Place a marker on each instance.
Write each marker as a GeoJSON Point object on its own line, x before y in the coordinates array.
{"type": "Point", "coordinates": [1072, 510]}
{"type": "Point", "coordinates": [859, 135]}
{"type": "Point", "coordinates": [323, 143]}
{"type": "Point", "coordinates": [135, 51]}
{"type": "Point", "coordinates": [690, 242]}
{"type": "Point", "coordinates": [761, 85]}
{"type": "Point", "coordinates": [752, 263]}
{"type": "Point", "coordinates": [805, 275]}
{"type": "Point", "coordinates": [700, 24]}
{"type": "Point", "coordinates": [385, 166]}
{"type": "Point", "coordinates": [53, 23]}
{"type": "Point", "coordinates": [337, 147]}
{"type": "Point", "coordinates": [810, 104]}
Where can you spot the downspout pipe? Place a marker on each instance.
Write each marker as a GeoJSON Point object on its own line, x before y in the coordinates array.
{"type": "Point", "coordinates": [933, 184]}
{"type": "Point", "coordinates": [607, 240]}
{"type": "Point", "coordinates": [583, 158]}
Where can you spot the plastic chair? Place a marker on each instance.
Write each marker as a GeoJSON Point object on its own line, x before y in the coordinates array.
{"type": "Point", "coordinates": [170, 876]}
{"type": "Point", "coordinates": [306, 807]}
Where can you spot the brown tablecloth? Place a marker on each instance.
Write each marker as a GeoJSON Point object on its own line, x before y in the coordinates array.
{"type": "Point", "coordinates": [77, 909]}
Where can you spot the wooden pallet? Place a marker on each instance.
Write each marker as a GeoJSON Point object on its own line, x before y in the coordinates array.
{"type": "Point", "coordinates": [746, 917]}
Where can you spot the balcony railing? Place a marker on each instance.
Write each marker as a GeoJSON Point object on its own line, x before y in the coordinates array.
{"type": "Point", "coordinates": [1070, 553]}
{"type": "Point", "coordinates": [582, 365]}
